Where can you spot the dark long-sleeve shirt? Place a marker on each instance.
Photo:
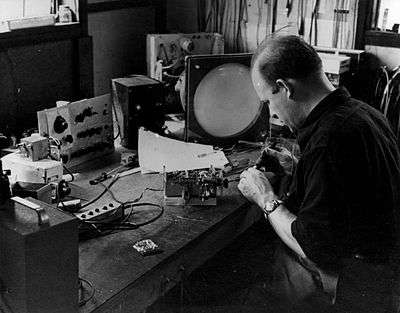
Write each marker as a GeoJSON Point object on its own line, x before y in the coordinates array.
{"type": "Point", "coordinates": [346, 189]}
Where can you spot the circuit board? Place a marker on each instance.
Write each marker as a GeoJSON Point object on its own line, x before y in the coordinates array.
{"type": "Point", "coordinates": [193, 187]}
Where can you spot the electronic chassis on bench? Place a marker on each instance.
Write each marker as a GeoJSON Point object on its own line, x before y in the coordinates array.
{"type": "Point", "coordinates": [193, 187]}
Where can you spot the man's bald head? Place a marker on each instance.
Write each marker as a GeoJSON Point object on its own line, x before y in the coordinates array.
{"type": "Point", "coordinates": [287, 73]}
{"type": "Point", "coordinates": [284, 57]}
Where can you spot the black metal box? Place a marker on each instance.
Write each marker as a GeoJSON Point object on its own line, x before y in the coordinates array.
{"type": "Point", "coordinates": [38, 263]}
{"type": "Point", "coordinates": [138, 101]}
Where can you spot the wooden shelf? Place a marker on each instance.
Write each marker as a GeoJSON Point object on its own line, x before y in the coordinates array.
{"type": "Point", "coordinates": [380, 38]}
{"type": "Point", "coordinates": [57, 32]}
{"type": "Point", "coordinates": [41, 34]}
{"type": "Point", "coordinates": [119, 4]}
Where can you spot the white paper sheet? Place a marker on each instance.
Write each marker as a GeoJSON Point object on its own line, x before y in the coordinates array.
{"type": "Point", "coordinates": [157, 152]}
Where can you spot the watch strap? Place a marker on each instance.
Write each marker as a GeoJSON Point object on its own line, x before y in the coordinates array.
{"type": "Point", "coordinates": [271, 206]}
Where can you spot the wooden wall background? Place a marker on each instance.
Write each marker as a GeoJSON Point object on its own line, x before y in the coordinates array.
{"type": "Point", "coordinates": [119, 43]}
{"type": "Point", "coordinates": [37, 70]}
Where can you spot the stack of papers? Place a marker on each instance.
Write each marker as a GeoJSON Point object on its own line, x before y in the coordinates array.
{"type": "Point", "coordinates": [157, 153]}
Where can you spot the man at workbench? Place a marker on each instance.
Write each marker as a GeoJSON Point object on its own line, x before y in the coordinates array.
{"type": "Point", "coordinates": [338, 223]}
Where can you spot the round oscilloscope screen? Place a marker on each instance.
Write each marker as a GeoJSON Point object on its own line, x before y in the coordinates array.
{"type": "Point", "coordinates": [225, 103]}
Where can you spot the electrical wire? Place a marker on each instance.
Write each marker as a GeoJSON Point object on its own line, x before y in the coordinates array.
{"type": "Point", "coordinates": [274, 14]}
{"type": "Point", "coordinates": [56, 141]}
{"type": "Point", "coordinates": [93, 200]}
{"type": "Point", "coordinates": [394, 74]}
{"type": "Point", "coordinates": [116, 119]}
{"type": "Point", "coordinates": [335, 25]}
{"type": "Point", "coordinates": [283, 27]}
{"type": "Point", "coordinates": [69, 172]}
{"type": "Point", "coordinates": [293, 165]}
{"type": "Point", "coordinates": [382, 84]}
{"type": "Point", "coordinates": [209, 18]}
{"type": "Point", "coordinates": [228, 18]}
{"type": "Point", "coordinates": [268, 19]}
{"type": "Point", "coordinates": [259, 18]}
{"type": "Point", "coordinates": [124, 224]}
{"type": "Point", "coordinates": [385, 80]}
{"type": "Point", "coordinates": [106, 227]}
{"type": "Point", "coordinates": [64, 166]}
{"type": "Point", "coordinates": [110, 193]}
{"type": "Point", "coordinates": [121, 202]}
{"type": "Point", "coordinates": [393, 103]}
{"type": "Point", "coordinates": [164, 50]}
{"type": "Point", "coordinates": [346, 25]}
{"type": "Point", "coordinates": [342, 24]}
{"type": "Point", "coordinates": [131, 201]}
{"type": "Point", "coordinates": [301, 22]}
{"type": "Point", "coordinates": [106, 187]}
{"type": "Point", "coordinates": [93, 291]}
{"type": "Point", "coordinates": [355, 14]}
{"type": "Point", "coordinates": [314, 20]}
{"type": "Point", "coordinates": [170, 75]}
{"type": "Point", "coordinates": [244, 17]}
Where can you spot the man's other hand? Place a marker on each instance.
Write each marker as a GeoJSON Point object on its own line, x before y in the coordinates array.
{"type": "Point", "coordinates": [255, 186]}
{"type": "Point", "coordinates": [279, 162]}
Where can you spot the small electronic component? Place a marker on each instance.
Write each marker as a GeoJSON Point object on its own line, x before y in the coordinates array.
{"type": "Point", "coordinates": [193, 187]}
{"type": "Point", "coordinates": [129, 159]}
{"type": "Point", "coordinates": [146, 247]}
{"type": "Point", "coordinates": [34, 147]}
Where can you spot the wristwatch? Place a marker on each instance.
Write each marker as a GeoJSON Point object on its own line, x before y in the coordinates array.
{"type": "Point", "coordinates": [271, 206]}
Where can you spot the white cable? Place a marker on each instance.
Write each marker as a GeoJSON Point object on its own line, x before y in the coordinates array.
{"type": "Point", "coordinates": [384, 103]}
{"type": "Point", "coordinates": [388, 90]}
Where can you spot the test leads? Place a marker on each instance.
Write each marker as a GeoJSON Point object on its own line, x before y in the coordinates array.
{"type": "Point", "coordinates": [193, 187]}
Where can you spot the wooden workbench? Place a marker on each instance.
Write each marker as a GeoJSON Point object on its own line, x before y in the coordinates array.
{"type": "Point", "coordinates": [124, 280]}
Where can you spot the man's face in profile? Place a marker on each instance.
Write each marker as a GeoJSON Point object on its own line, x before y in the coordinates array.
{"type": "Point", "coordinates": [275, 97]}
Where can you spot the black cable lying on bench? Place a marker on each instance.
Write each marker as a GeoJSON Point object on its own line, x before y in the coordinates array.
{"type": "Point", "coordinates": [102, 228]}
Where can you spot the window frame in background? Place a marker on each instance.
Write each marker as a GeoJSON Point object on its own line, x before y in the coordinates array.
{"type": "Point", "coordinates": [48, 33]}
{"type": "Point", "coordinates": [373, 35]}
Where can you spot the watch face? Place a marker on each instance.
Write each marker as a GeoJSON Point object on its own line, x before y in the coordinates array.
{"type": "Point", "coordinates": [269, 207]}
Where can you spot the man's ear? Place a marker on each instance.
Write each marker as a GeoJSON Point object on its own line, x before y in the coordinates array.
{"type": "Point", "coordinates": [281, 83]}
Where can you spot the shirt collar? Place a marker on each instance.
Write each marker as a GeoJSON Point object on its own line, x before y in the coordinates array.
{"type": "Point", "coordinates": [336, 97]}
